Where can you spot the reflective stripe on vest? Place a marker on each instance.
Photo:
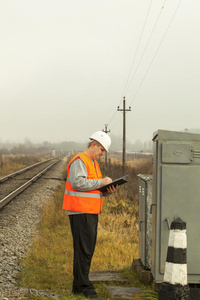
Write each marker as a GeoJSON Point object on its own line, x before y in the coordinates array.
{"type": "Point", "coordinates": [83, 194]}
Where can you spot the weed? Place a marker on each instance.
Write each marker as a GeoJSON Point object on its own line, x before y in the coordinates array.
{"type": "Point", "coordinates": [10, 163]}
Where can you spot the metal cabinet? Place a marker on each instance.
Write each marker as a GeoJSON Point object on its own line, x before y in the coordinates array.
{"type": "Point", "coordinates": [176, 193]}
{"type": "Point", "coordinates": [145, 200]}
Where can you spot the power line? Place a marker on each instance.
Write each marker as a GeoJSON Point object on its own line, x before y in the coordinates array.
{"type": "Point", "coordinates": [144, 52]}
{"type": "Point", "coordinates": [156, 51]}
{"type": "Point", "coordinates": [126, 88]}
{"type": "Point", "coordinates": [112, 118]}
{"type": "Point", "coordinates": [147, 44]}
{"type": "Point", "coordinates": [136, 49]}
{"type": "Point", "coordinates": [133, 59]}
{"type": "Point", "coordinates": [117, 121]}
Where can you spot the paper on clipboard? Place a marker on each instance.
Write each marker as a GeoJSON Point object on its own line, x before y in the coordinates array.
{"type": "Point", "coordinates": [118, 181]}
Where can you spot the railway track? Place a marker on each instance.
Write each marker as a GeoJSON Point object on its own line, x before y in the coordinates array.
{"type": "Point", "coordinates": [20, 221]}
{"type": "Point", "coordinates": [13, 184]}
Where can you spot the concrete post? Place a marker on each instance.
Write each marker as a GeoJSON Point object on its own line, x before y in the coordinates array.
{"type": "Point", "coordinates": [174, 284]}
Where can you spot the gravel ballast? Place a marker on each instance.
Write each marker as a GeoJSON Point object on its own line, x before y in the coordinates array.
{"type": "Point", "coordinates": [19, 225]}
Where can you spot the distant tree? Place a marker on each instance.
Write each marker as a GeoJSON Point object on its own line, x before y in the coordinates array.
{"type": "Point", "coordinates": [4, 150]}
{"type": "Point", "coordinates": [28, 143]}
{"type": "Point", "coordinates": [20, 149]}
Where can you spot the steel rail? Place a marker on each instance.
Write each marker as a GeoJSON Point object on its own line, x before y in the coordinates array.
{"type": "Point", "coordinates": [16, 192]}
{"type": "Point", "coordinates": [2, 179]}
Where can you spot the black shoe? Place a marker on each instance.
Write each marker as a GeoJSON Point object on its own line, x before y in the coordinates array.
{"type": "Point", "coordinates": [91, 294]}
{"type": "Point", "coordinates": [77, 293]}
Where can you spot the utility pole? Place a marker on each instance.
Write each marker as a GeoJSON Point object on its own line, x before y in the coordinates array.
{"type": "Point", "coordinates": [124, 110]}
{"type": "Point", "coordinates": [106, 131]}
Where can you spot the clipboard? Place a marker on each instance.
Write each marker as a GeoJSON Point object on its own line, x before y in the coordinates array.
{"type": "Point", "coordinates": [118, 181]}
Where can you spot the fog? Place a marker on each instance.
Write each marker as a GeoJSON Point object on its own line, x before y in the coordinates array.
{"type": "Point", "coordinates": [66, 66]}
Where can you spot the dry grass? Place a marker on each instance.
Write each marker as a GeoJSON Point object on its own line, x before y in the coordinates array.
{"type": "Point", "coordinates": [49, 263]}
{"type": "Point", "coordinates": [11, 163]}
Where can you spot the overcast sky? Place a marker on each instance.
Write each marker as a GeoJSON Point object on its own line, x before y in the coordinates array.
{"type": "Point", "coordinates": [65, 66]}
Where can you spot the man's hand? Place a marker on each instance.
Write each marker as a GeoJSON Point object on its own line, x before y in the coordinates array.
{"type": "Point", "coordinates": [106, 180]}
{"type": "Point", "coordinates": [111, 189]}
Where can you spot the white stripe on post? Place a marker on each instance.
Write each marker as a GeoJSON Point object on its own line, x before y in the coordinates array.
{"type": "Point", "coordinates": [175, 273]}
{"type": "Point", "coordinates": [174, 284]}
{"type": "Point", "coordinates": [177, 238]}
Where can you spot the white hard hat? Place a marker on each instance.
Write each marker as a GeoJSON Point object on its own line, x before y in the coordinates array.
{"type": "Point", "coordinates": [103, 138]}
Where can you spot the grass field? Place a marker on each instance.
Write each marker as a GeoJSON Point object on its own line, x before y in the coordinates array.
{"type": "Point", "coordinates": [49, 263]}
{"type": "Point", "coordinates": [10, 163]}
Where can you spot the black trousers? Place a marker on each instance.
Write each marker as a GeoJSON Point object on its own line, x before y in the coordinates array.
{"type": "Point", "coordinates": [84, 232]}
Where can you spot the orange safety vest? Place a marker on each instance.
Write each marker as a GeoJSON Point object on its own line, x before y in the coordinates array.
{"type": "Point", "coordinates": [84, 201]}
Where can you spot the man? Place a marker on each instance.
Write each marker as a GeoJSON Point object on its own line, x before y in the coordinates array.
{"type": "Point", "coordinates": [83, 203]}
